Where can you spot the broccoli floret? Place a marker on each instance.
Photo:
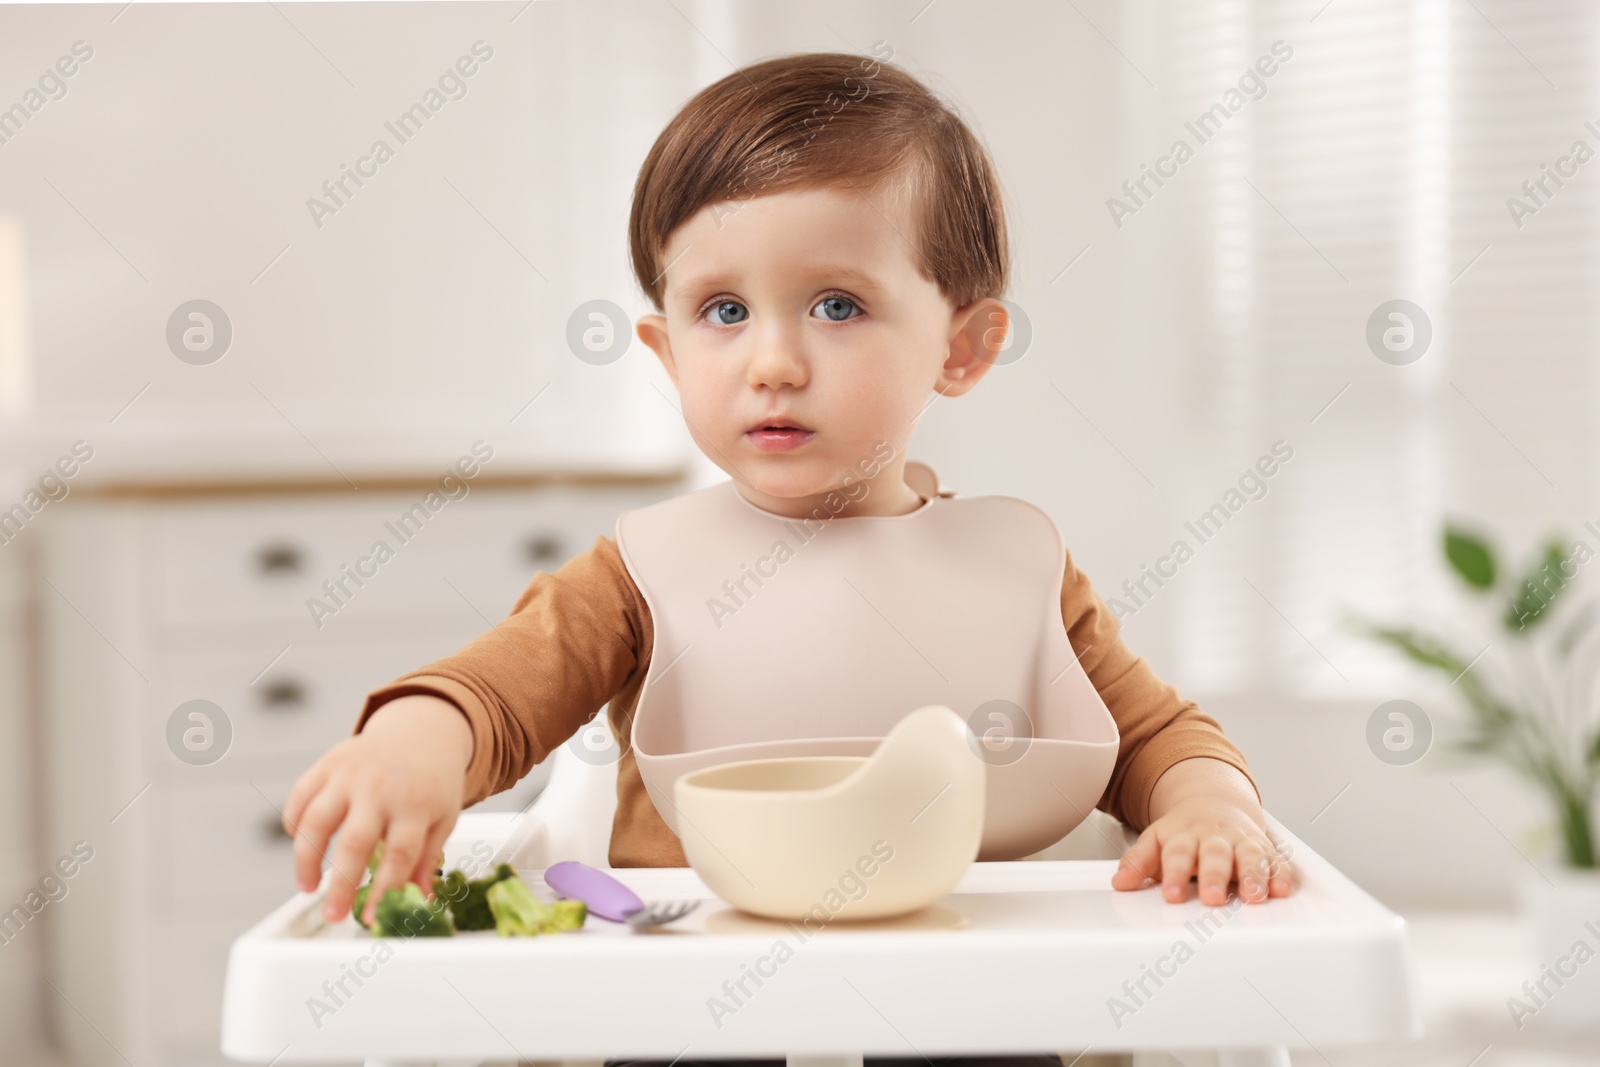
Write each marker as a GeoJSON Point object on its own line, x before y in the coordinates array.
{"type": "Point", "coordinates": [452, 888]}
{"type": "Point", "coordinates": [567, 915]}
{"type": "Point", "coordinates": [469, 903]}
{"type": "Point", "coordinates": [518, 913]}
{"type": "Point", "coordinates": [407, 913]}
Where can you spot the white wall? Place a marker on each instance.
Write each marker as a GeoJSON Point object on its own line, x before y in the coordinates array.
{"type": "Point", "coordinates": [181, 160]}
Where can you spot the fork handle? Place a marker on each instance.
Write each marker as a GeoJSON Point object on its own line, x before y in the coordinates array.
{"type": "Point", "coordinates": [603, 894]}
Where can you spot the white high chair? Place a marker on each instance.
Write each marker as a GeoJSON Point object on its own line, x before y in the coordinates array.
{"type": "Point", "coordinates": [569, 819]}
{"type": "Point", "coordinates": [1044, 949]}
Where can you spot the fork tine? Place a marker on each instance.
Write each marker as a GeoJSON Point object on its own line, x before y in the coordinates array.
{"type": "Point", "coordinates": [660, 912]}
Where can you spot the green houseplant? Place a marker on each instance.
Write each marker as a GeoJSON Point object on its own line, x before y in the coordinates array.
{"type": "Point", "coordinates": [1546, 728]}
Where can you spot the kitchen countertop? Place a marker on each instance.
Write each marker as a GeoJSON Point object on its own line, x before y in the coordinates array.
{"type": "Point", "coordinates": [198, 453]}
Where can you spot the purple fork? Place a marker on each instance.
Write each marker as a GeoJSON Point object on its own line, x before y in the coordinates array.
{"type": "Point", "coordinates": [609, 898]}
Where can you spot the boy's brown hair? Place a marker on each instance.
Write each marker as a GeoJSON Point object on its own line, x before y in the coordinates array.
{"type": "Point", "coordinates": [819, 119]}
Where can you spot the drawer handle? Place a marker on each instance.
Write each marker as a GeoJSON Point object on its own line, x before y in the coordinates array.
{"type": "Point", "coordinates": [544, 548]}
{"type": "Point", "coordinates": [283, 695]}
{"type": "Point", "coordinates": [279, 559]}
{"type": "Point", "coordinates": [272, 829]}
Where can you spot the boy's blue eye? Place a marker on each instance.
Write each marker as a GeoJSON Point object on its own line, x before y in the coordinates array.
{"type": "Point", "coordinates": [739, 314]}
{"type": "Point", "coordinates": [837, 308]}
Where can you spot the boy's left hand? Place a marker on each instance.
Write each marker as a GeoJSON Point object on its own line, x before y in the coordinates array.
{"type": "Point", "coordinates": [1208, 830]}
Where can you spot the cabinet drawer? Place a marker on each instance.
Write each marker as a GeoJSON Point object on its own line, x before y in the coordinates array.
{"type": "Point", "coordinates": [221, 854]}
{"type": "Point", "coordinates": [246, 559]}
{"type": "Point", "coordinates": [305, 702]}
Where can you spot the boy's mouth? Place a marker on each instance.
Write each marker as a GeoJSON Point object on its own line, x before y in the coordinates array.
{"type": "Point", "coordinates": [778, 435]}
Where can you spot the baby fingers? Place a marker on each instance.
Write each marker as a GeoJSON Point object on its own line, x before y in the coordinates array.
{"type": "Point", "coordinates": [1216, 869]}
{"type": "Point", "coordinates": [1256, 867]}
{"type": "Point", "coordinates": [1141, 863]}
{"type": "Point", "coordinates": [1178, 866]}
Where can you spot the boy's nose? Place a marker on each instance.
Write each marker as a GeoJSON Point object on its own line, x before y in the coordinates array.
{"type": "Point", "coordinates": [778, 360]}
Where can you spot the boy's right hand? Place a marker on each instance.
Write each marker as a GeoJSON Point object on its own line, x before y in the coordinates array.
{"type": "Point", "coordinates": [399, 780]}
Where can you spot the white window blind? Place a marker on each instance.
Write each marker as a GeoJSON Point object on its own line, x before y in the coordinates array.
{"type": "Point", "coordinates": [1376, 167]}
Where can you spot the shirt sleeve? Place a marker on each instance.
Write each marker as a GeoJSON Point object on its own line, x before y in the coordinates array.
{"type": "Point", "coordinates": [536, 678]}
{"type": "Point", "coordinates": [1158, 727]}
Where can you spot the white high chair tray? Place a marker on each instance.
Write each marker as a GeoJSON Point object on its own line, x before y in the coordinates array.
{"type": "Point", "coordinates": [1046, 953]}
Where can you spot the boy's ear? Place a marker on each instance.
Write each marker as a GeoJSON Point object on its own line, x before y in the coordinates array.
{"type": "Point", "coordinates": [652, 330]}
{"type": "Point", "coordinates": [977, 333]}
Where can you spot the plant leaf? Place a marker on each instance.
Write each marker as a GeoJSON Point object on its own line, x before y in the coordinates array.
{"type": "Point", "coordinates": [1420, 647]}
{"type": "Point", "coordinates": [1538, 591]}
{"type": "Point", "coordinates": [1490, 715]}
{"type": "Point", "coordinates": [1471, 557]}
{"type": "Point", "coordinates": [1580, 625]}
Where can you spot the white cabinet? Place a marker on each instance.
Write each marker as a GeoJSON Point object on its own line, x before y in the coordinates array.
{"type": "Point", "coordinates": [151, 601]}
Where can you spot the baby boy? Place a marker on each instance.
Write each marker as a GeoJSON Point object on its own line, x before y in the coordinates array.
{"type": "Point", "coordinates": [825, 243]}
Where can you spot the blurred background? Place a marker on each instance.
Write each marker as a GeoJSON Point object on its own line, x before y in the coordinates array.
{"type": "Point", "coordinates": [1372, 259]}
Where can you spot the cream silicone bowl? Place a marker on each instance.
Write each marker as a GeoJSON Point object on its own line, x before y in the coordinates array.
{"type": "Point", "coordinates": [840, 837]}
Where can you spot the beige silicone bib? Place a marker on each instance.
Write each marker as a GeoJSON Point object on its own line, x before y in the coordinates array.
{"type": "Point", "coordinates": [785, 637]}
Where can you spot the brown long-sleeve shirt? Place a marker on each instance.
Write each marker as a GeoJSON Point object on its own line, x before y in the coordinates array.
{"type": "Point", "coordinates": [581, 636]}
